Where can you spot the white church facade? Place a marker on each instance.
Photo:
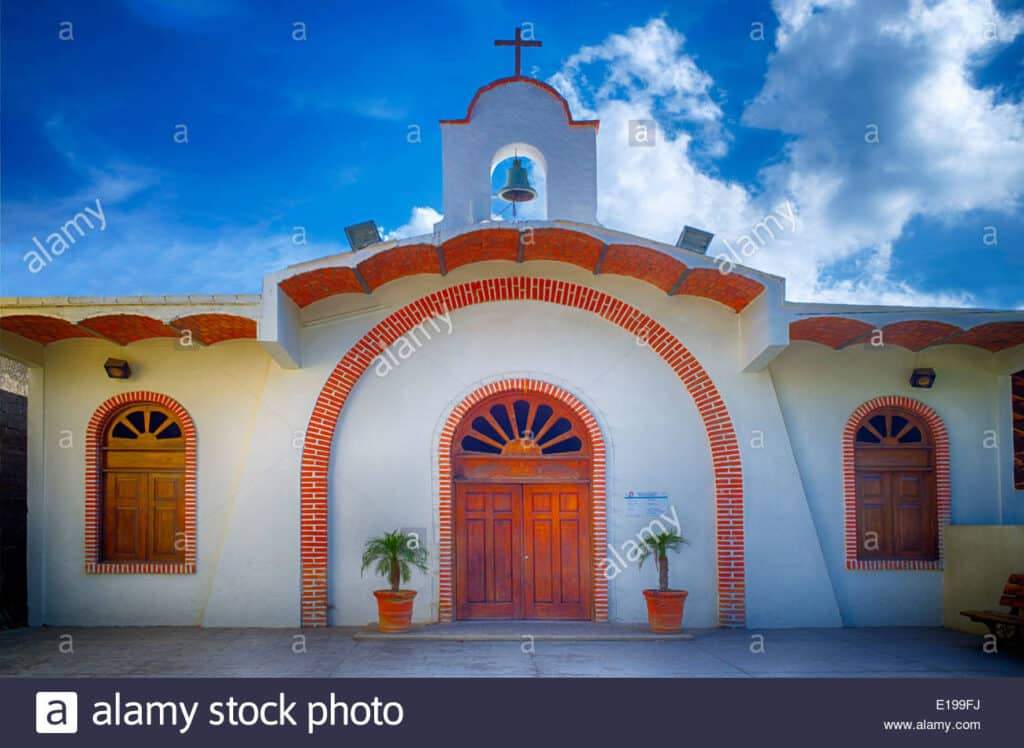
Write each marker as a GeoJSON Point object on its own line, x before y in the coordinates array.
{"type": "Point", "coordinates": [526, 396]}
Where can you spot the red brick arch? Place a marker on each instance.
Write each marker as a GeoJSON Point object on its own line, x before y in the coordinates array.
{"type": "Point", "coordinates": [943, 494]}
{"type": "Point", "coordinates": [598, 496]}
{"type": "Point", "coordinates": [725, 453]}
{"type": "Point", "coordinates": [93, 488]}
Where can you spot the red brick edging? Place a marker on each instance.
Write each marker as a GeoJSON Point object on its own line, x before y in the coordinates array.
{"type": "Point", "coordinates": [598, 496]}
{"type": "Point", "coordinates": [725, 452]}
{"type": "Point", "coordinates": [550, 90]}
{"type": "Point", "coordinates": [942, 485]}
{"type": "Point", "coordinates": [94, 489]}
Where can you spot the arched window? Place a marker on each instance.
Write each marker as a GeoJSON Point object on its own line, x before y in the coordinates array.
{"type": "Point", "coordinates": [142, 479]}
{"type": "Point", "coordinates": [896, 498]}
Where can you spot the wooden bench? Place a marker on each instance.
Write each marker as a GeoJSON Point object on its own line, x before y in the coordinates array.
{"type": "Point", "coordinates": [1005, 626]}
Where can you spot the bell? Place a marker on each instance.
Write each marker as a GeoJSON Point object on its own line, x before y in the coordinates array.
{"type": "Point", "coordinates": [517, 187]}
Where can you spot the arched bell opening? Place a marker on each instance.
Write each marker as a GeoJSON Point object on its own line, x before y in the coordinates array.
{"type": "Point", "coordinates": [519, 184]}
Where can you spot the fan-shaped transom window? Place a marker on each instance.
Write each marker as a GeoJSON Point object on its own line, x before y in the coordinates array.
{"type": "Point", "coordinates": [519, 435]}
{"type": "Point", "coordinates": [521, 427]}
{"type": "Point", "coordinates": [890, 427]}
{"type": "Point", "coordinates": [145, 426]}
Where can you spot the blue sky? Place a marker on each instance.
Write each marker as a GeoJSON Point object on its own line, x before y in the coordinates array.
{"type": "Point", "coordinates": [313, 134]}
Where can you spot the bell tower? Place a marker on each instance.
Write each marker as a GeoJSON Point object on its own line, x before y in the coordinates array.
{"type": "Point", "coordinates": [526, 117]}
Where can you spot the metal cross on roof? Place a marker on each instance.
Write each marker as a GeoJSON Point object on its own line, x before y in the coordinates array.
{"type": "Point", "coordinates": [518, 43]}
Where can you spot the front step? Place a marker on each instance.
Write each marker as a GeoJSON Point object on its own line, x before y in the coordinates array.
{"type": "Point", "coordinates": [504, 631]}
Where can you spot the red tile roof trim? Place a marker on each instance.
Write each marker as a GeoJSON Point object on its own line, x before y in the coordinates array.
{"type": "Point", "coordinates": [652, 266]}
{"type": "Point", "coordinates": [914, 335]}
{"type": "Point", "coordinates": [122, 329]}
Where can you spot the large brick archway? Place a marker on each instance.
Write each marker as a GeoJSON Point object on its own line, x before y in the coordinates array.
{"type": "Point", "coordinates": [725, 453]}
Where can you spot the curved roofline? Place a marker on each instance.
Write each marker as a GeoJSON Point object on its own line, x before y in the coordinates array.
{"type": "Point", "coordinates": [673, 271]}
{"type": "Point", "coordinates": [47, 325]}
{"type": "Point", "coordinates": [909, 329]}
{"type": "Point", "coordinates": [595, 123]}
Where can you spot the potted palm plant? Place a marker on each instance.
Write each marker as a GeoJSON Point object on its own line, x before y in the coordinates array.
{"type": "Point", "coordinates": [393, 555]}
{"type": "Point", "coordinates": [664, 606]}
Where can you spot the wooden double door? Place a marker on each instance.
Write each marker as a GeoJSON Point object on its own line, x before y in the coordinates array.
{"type": "Point", "coordinates": [144, 516]}
{"type": "Point", "coordinates": [523, 551]}
{"type": "Point", "coordinates": [896, 514]}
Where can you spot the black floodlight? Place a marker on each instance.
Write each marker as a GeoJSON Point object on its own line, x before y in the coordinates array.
{"type": "Point", "coordinates": [695, 240]}
{"type": "Point", "coordinates": [362, 235]}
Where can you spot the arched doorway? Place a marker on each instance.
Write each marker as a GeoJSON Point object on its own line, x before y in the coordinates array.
{"type": "Point", "coordinates": [521, 463]}
{"type": "Point", "coordinates": [896, 490]}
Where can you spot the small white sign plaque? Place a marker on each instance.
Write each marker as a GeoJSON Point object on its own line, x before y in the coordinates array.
{"type": "Point", "coordinates": [646, 503]}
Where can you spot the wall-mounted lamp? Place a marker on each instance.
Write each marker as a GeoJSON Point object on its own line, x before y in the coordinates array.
{"type": "Point", "coordinates": [922, 378]}
{"type": "Point", "coordinates": [117, 368]}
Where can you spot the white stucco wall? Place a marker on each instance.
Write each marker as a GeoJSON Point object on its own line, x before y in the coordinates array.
{"type": "Point", "coordinates": [250, 416]}
{"type": "Point", "coordinates": [819, 388]}
{"type": "Point", "coordinates": [221, 387]}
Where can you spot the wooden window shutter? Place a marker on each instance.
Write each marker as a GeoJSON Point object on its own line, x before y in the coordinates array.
{"type": "Point", "coordinates": [143, 517]}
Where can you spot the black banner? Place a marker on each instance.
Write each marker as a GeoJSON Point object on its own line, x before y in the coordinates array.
{"type": "Point", "coordinates": [511, 712]}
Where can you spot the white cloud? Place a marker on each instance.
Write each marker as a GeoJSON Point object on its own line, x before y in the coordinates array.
{"type": "Point", "coordinates": [646, 66]}
{"type": "Point", "coordinates": [946, 146]}
{"type": "Point", "coordinates": [421, 221]}
{"type": "Point", "coordinates": [653, 190]}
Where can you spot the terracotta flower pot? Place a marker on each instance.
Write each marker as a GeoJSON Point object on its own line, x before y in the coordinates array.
{"type": "Point", "coordinates": [394, 610]}
{"type": "Point", "coordinates": [665, 610]}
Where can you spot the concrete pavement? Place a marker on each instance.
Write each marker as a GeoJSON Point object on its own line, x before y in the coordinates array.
{"type": "Point", "coordinates": [332, 652]}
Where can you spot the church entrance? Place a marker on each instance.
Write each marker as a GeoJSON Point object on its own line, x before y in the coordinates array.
{"type": "Point", "coordinates": [522, 511]}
